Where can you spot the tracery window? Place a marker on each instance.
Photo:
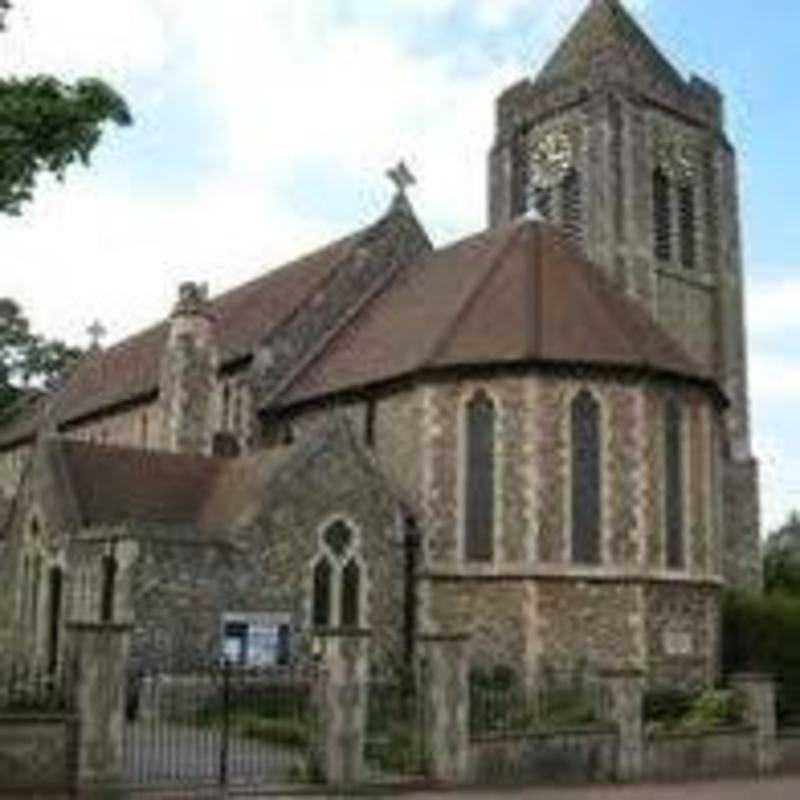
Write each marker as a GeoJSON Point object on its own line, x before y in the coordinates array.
{"type": "Point", "coordinates": [351, 593]}
{"type": "Point", "coordinates": [673, 483]}
{"type": "Point", "coordinates": [322, 594]}
{"type": "Point", "coordinates": [480, 458]}
{"type": "Point", "coordinates": [337, 579]}
{"type": "Point", "coordinates": [688, 234]}
{"type": "Point", "coordinates": [571, 205]}
{"type": "Point", "coordinates": [108, 590]}
{"type": "Point", "coordinates": [662, 216]}
{"type": "Point", "coordinates": [586, 479]}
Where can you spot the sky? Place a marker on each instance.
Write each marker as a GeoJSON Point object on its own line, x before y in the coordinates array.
{"type": "Point", "coordinates": [264, 128]}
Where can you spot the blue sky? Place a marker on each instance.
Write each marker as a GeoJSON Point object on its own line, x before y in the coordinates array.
{"type": "Point", "coordinates": [264, 128]}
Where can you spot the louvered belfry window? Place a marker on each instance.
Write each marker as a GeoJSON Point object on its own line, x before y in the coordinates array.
{"type": "Point", "coordinates": [673, 483]}
{"type": "Point", "coordinates": [322, 594]}
{"type": "Point", "coordinates": [480, 458]}
{"type": "Point", "coordinates": [662, 216]}
{"type": "Point", "coordinates": [571, 211]}
{"type": "Point", "coordinates": [351, 594]}
{"type": "Point", "coordinates": [586, 480]}
{"type": "Point", "coordinates": [686, 205]}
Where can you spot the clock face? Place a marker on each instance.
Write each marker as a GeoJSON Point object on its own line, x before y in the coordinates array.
{"type": "Point", "coordinates": [550, 158]}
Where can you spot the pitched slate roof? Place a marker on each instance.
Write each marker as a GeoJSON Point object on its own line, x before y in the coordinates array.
{"type": "Point", "coordinates": [245, 316]}
{"type": "Point", "coordinates": [605, 26]}
{"type": "Point", "coordinates": [516, 294]}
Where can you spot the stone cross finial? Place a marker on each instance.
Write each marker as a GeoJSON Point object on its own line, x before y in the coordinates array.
{"type": "Point", "coordinates": [97, 333]}
{"type": "Point", "coordinates": [402, 177]}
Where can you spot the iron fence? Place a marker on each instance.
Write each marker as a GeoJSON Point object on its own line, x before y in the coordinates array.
{"type": "Point", "coordinates": [499, 704]}
{"type": "Point", "coordinates": [224, 725]}
{"type": "Point", "coordinates": [29, 688]}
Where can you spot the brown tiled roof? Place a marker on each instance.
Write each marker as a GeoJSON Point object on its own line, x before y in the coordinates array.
{"type": "Point", "coordinates": [512, 295]}
{"type": "Point", "coordinates": [245, 316]}
{"type": "Point", "coordinates": [113, 485]}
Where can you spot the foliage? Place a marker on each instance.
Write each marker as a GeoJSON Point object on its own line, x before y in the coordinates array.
{"type": "Point", "coordinates": [675, 711]}
{"type": "Point", "coordinates": [782, 557]}
{"type": "Point", "coordinates": [47, 125]}
{"type": "Point", "coordinates": [26, 358]}
{"type": "Point", "coordinates": [762, 633]}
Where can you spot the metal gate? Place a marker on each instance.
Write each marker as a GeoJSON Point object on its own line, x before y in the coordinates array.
{"type": "Point", "coordinates": [236, 727]}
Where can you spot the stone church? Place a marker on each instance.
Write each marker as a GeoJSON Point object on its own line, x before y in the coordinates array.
{"type": "Point", "coordinates": [537, 435]}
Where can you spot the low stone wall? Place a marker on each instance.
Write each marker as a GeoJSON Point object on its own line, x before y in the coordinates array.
{"type": "Point", "coordinates": [585, 755]}
{"type": "Point", "coordinates": [727, 752]}
{"type": "Point", "coordinates": [789, 749]}
{"type": "Point", "coordinates": [37, 752]}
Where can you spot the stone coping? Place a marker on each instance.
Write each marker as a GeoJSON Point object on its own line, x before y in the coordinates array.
{"type": "Point", "coordinates": [35, 719]}
{"type": "Point", "coordinates": [494, 572]}
{"type": "Point", "coordinates": [596, 729]}
{"type": "Point", "coordinates": [751, 677]}
{"type": "Point", "coordinates": [723, 730]}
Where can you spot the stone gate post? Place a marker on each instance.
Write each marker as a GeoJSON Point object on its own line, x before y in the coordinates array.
{"type": "Point", "coordinates": [625, 700]}
{"type": "Point", "coordinates": [758, 690]}
{"type": "Point", "coordinates": [345, 662]}
{"type": "Point", "coordinates": [445, 681]}
{"type": "Point", "coordinates": [100, 657]}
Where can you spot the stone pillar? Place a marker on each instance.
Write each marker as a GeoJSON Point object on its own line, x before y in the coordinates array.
{"type": "Point", "coordinates": [758, 690]}
{"type": "Point", "coordinates": [444, 674]}
{"type": "Point", "coordinates": [100, 662]}
{"type": "Point", "coordinates": [624, 697]}
{"type": "Point", "coordinates": [345, 663]}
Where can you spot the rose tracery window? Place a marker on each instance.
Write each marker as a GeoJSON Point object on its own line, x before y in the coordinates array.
{"type": "Point", "coordinates": [480, 458]}
{"type": "Point", "coordinates": [586, 479]}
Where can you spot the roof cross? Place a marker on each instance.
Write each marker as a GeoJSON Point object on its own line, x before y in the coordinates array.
{"type": "Point", "coordinates": [96, 332]}
{"type": "Point", "coordinates": [402, 177]}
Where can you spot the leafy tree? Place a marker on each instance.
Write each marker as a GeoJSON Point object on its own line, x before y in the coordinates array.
{"type": "Point", "coordinates": [782, 557]}
{"type": "Point", "coordinates": [28, 360]}
{"type": "Point", "coordinates": [47, 125]}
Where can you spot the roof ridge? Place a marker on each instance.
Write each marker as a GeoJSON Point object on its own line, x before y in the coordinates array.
{"type": "Point", "coordinates": [480, 285]}
{"type": "Point", "coordinates": [590, 27]}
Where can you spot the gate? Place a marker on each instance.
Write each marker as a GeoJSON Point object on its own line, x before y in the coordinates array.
{"type": "Point", "coordinates": [235, 727]}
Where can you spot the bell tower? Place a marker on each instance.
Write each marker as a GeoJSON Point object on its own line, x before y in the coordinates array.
{"type": "Point", "coordinates": [632, 161]}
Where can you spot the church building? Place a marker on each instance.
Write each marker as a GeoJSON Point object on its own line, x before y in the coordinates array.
{"type": "Point", "coordinates": [537, 435]}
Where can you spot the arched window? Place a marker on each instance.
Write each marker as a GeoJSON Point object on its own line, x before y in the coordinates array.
{"type": "Point", "coordinates": [673, 483]}
{"type": "Point", "coordinates": [109, 588]}
{"type": "Point", "coordinates": [571, 205]}
{"type": "Point", "coordinates": [144, 430]}
{"type": "Point", "coordinates": [369, 423]}
{"type": "Point", "coordinates": [479, 501]}
{"type": "Point", "coordinates": [226, 408]}
{"type": "Point", "coordinates": [322, 594]}
{"type": "Point", "coordinates": [586, 480]}
{"type": "Point", "coordinates": [662, 216]}
{"type": "Point", "coordinates": [351, 595]}
{"type": "Point", "coordinates": [686, 206]}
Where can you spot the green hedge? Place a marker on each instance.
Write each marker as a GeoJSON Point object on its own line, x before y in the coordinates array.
{"type": "Point", "coordinates": [762, 633]}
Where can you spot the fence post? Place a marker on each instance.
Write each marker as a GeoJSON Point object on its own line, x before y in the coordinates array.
{"type": "Point", "coordinates": [345, 662]}
{"type": "Point", "coordinates": [101, 657]}
{"type": "Point", "coordinates": [446, 684]}
{"type": "Point", "coordinates": [624, 706]}
{"type": "Point", "coordinates": [758, 690]}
